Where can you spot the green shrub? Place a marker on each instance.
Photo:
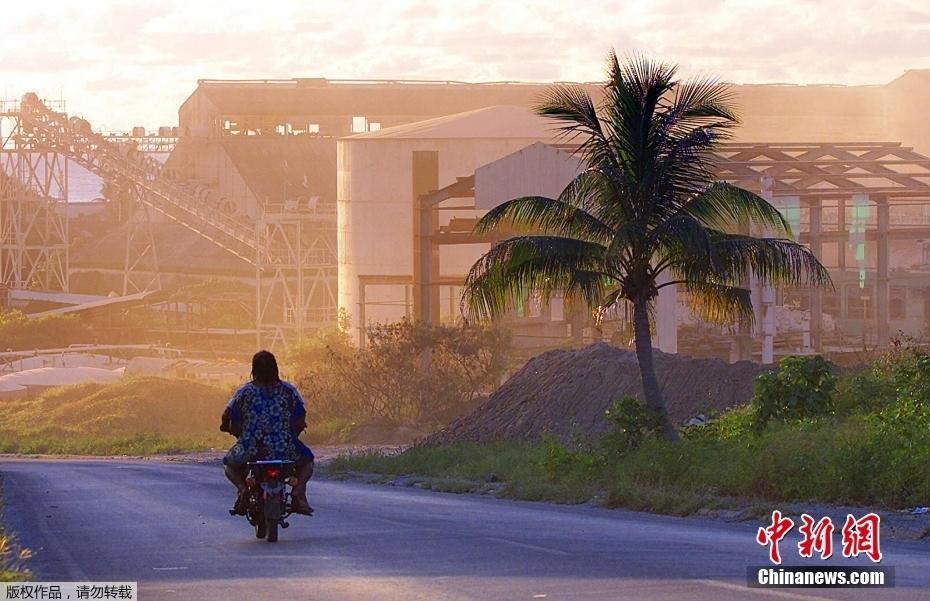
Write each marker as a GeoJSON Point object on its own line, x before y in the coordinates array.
{"type": "Point", "coordinates": [902, 373]}
{"type": "Point", "coordinates": [732, 423]}
{"type": "Point", "coordinates": [800, 388]}
{"type": "Point", "coordinates": [561, 462]}
{"type": "Point", "coordinates": [19, 332]}
{"type": "Point", "coordinates": [630, 423]}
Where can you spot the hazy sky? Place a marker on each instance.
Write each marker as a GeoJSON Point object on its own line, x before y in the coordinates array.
{"type": "Point", "coordinates": [129, 62]}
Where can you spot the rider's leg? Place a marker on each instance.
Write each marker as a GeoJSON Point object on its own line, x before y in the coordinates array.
{"type": "Point", "coordinates": [299, 492]}
{"type": "Point", "coordinates": [236, 475]}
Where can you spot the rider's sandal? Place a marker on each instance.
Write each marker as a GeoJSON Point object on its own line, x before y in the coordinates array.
{"type": "Point", "coordinates": [301, 508]}
{"type": "Point", "coordinates": [242, 503]}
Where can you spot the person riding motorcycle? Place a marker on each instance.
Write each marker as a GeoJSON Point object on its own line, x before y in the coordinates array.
{"type": "Point", "coordinates": [267, 415]}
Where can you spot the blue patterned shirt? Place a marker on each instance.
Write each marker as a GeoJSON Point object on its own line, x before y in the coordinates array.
{"type": "Point", "coordinates": [265, 415]}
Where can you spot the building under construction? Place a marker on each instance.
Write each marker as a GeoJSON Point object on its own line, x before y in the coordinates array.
{"type": "Point", "coordinates": [315, 195]}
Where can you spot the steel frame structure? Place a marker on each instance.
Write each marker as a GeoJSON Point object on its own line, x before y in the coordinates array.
{"type": "Point", "coordinates": [34, 240]}
{"type": "Point", "coordinates": [830, 175]}
{"type": "Point", "coordinates": [295, 275]}
{"type": "Point", "coordinates": [293, 252]}
{"type": "Point", "coordinates": [819, 175]}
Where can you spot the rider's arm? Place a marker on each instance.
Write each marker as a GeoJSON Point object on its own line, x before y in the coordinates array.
{"type": "Point", "coordinates": [232, 416]}
{"type": "Point", "coordinates": [298, 414]}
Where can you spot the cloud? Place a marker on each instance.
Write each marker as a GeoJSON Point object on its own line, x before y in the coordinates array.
{"type": "Point", "coordinates": [134, 61]}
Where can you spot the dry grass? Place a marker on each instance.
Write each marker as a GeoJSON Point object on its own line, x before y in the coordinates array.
{"type": "Point", "coordinates": [12, 557]}
{"type": "Point", "coordinates": [133, 416]}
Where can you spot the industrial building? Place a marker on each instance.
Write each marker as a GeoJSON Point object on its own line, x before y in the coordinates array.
{"type": "Point", "coordinates": [319, 195]}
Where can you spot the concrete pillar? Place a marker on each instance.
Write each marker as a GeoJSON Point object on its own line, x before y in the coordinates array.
{"type": "Point", "coordinates": [843, 244]}
{"type": "Point", "coordinates": [362, 318]}
{"type": "Point", "coordinates": [882, 316]}
{"type": "Point", "coordinates": [763, 296]}
{"type": "Point", "coordinates": [425, 252]}
{"type": "Point", "coordinates": [816, 293]}
{"type": "Point", "coordinates": [666, 312]}
{"type": "Point", "coordinates": [768, 324]}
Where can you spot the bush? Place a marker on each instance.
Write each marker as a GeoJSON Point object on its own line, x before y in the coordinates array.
{"type": "Point", "coordinates": [19, 332]}
{"type": "Point", "coordinates": [630, 423]}
{"type": "Point", "coordinates": [802, 387]}
{"type": "Point", "coordinates": [321, 367]}
{"type": "Point", "coordinates": [408, 372]}
{"type": "Point", "coordinates": [901, 373]}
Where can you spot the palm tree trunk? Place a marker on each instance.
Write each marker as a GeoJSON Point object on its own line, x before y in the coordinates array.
{"type": "Point", "coordinates": [647, 371]}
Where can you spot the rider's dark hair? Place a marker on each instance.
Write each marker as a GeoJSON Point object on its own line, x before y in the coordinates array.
{"type": "Point", "coordinates": [264, 368]}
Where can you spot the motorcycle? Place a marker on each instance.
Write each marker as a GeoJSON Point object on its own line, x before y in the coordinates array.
{"type": "Point", "coordinates": [269, 497]}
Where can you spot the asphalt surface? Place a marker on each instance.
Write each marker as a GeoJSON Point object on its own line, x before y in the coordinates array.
{"type": "Point", "coordinates": [165, 525]}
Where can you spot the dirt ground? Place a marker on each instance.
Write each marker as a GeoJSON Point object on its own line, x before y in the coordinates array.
{"type": "Point", "coordinates": [565, 393]}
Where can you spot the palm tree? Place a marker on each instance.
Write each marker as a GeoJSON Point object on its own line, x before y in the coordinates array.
{"type": "Point", "coordinates": [647, 211]}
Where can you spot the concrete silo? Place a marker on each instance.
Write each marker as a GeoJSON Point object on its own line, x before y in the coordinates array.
{"type": "Point", "coordinates": [377, 176]}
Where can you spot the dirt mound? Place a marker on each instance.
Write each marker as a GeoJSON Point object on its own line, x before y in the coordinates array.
{"type": "Point", "coordinates": [566, 392]}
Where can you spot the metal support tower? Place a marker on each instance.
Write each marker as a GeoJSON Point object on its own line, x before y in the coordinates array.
{"type": "Point", "coordinates": [33, 206]}
{"type": "Point", "coordinates": [295, 276]}
{"type": "Point", "coordinates": [140, 247]}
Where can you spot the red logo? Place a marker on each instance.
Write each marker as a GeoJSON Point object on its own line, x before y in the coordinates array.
{"type": "Point", "coordinates": [818, 536]}
{"type": "Point", "coordinates": [772, 535]}
{"type": "Point", "coordinates": [859, 536]}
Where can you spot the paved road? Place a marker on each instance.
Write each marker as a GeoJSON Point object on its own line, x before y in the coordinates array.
{"type": "Point", "coordinates": [165, 525]}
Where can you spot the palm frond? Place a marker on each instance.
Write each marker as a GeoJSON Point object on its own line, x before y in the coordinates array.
{"type": "Point", "coordinates": [547, 216]}
{"type": "Point", "coordinates": [598, 193]}
{"type": "Point", "coordinates": [575, 110]}
{"type": "Point", "coordinates": [719, 303]}
{"type": "Point", "coordinates": [681, 236]}
{"type": "Point", "coordinates": [724, 205]}
{"type": "Point", "coordinates": [774, 261]}
{"type": "Point", "coordinates": [702, 102]}
{"type": "Point", "coordinates": [516, 267]}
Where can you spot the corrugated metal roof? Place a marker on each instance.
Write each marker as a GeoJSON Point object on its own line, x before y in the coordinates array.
{"type": "Point", "coordinates": [362, 98]}
{"type": "Point", "coordinates": [504, 121]}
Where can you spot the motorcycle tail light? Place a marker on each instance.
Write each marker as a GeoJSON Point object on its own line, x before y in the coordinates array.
{"type": "Point", "coordinates": [273, 472]}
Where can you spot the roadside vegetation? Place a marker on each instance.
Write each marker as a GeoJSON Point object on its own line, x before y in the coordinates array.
{"type": "Point", "coordinates": [387, 382]}
{"type": "Point", "coordinates": [133, 416]}
{"type": "Point", "coordinates": [807, 435]}
{"type": "Point", "coordinates": [12, 560]}
{"type": "Point", "coordinates": [12, 557]}
{"type": "Point", "coordinates": [408, 374]}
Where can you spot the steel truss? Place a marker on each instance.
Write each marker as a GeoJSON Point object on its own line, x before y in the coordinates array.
{"type": "Point", "coordinates": [293, 252]}
{"type": "Point", "coordinates": [33, 207]}
{"type": "Point", "coordinates": [295, 277]}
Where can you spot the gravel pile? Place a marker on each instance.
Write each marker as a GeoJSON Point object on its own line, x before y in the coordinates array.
{"type": "Point", "coordinates": [565, 392]}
